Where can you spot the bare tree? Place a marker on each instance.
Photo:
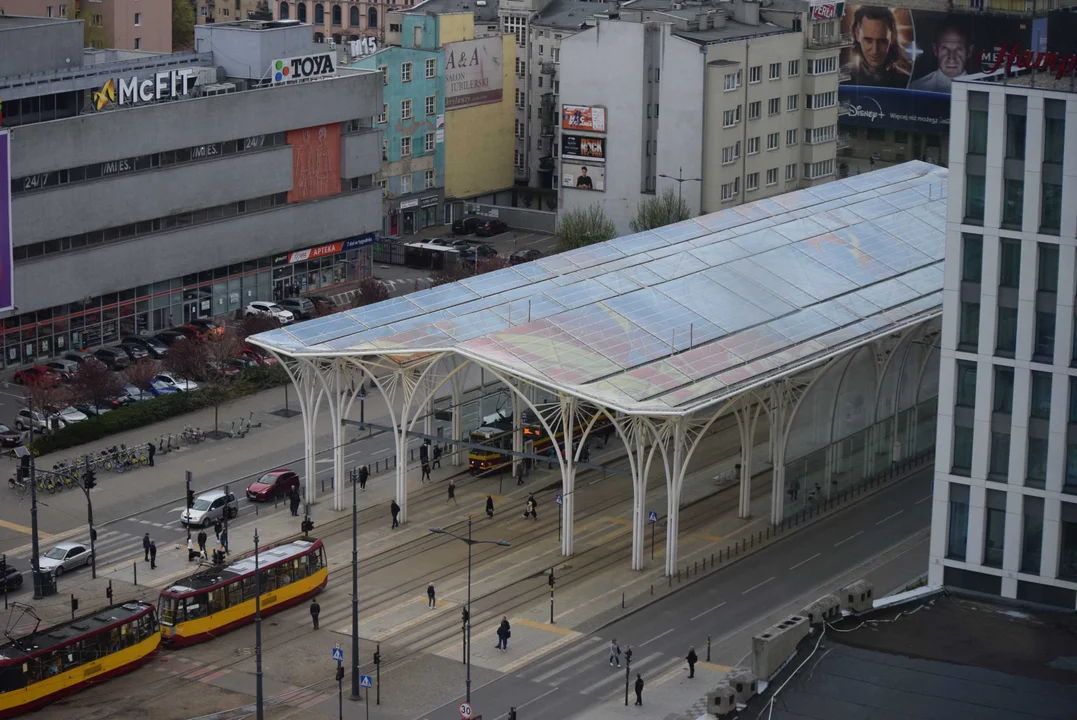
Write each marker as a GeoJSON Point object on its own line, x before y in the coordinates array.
{"type": "Point", "coordinates": [220, 371]}
{"type": "Point", "coordinates": [187, 359]}
{"type": "Point", "coordinates": [256, 323]}
{"type": "Point", "coordinates": [140, 374]}
{"type": "Point", "coordinates": [370, 291]}
{"type": "Point", "coordinates": [95, 384]}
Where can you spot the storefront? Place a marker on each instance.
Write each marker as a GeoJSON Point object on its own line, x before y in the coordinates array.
{"type": "Point", "coordinates": [410, 215]}
{"type": "Point", "coordinates": [428, 210]}
{"type": "Point", "coordinates": [31, 337]}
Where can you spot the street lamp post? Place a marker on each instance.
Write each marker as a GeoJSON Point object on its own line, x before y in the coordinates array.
{"type": "Point", "coordinates": [259, 707]}
{"type": "Point", "coordinates": [470, 542]}
{"type": "Point", "coordinates": [680, 180]}
{"type": "Point", "coordinates": [355, 591]}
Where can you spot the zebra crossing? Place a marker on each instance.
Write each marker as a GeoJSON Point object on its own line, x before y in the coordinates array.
{"type": "Point", "coordinates": [585, 668]}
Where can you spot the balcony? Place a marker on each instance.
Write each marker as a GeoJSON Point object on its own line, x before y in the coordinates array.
{"type": "Point", "coordinates": [844, 75]}
{"type": "Point", "coordinates": [548, 67]}
{"type": "Point", "coordinates": [547, 163]}
{"type": "Point", "coordinates": [547, 130]}
{"type": "Point", "coordinates": [830, 41]}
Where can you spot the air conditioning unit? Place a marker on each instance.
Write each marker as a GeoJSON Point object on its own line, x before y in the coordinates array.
{"type": "Point", "coordinates": [722, 700]}
{"type": "Point", "coordinates": [825, 609]}
{"type": "Point", "coordinates": [218, 89]}
{"type": "Point", "coordinates": [857, 597]}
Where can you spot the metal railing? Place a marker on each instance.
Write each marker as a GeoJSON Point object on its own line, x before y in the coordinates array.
{"type": "Point", "coordinates": [830, 41]}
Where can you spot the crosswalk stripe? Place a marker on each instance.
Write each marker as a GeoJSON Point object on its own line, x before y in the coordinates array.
{"type": "Point", "coordinates": [557, 657]}
{"type": "Point", "coordinates": [614, 680]}
{"type": "Point", "coordinates": [594, 651]}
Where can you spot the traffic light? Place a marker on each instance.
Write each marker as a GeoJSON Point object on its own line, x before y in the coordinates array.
{"type": "Point", "coordinates": [628, 655]}
{"type": "Point", "coordinates": [74, 604]}
{"type": "Point", "coordinates": [340, 671]}
{"type": "Point", "coordinates": [190, 498]}
{"type": "Point", "coordinates": [108, 591]}
{"type": "Point", "coordinates": [91, 479]}
{"type": "Point", "coordinates": [551, 578]}
{"type": "Point", "coordinates": [307, 525]}
{"type": "Point", "coordinates": [377, 657]}
{"type": "Point", "coordinates": [93, 534]}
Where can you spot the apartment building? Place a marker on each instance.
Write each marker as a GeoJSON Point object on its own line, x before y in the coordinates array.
{"type": "Point", "coordinates": [1004, 518]}
{"type": "Point", "coordinates": [340, 21]}
{"type": "Point", "coordinates": [719, 103]}
{"type": "Point", "coordinates": [148, 190]}
{"type": "Point", "coordinates": [211, 11]}
{"type": "Point", "coordinates": [120, 24]}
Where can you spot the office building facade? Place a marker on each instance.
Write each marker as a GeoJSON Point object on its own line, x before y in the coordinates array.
{"type": "Point", "coordinates": [1004, 519]}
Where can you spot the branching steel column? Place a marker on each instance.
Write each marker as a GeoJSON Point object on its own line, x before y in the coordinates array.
{"type": "Point", "coordinates": [746, 411]}
{"type": "Point", "coordinates": [568, 474]}
{"type": "Point", "coordinates": [517, 432]}
{"type": "Point", "coordinates": [779, 408]}
{"type": "Point", "coordinates": [457, 418]}
{"type": "Point", "coordinates": [674, 480]}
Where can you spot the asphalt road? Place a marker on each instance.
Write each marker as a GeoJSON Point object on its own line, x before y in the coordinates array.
{"type": "Point", "coordinates": [726, 605]}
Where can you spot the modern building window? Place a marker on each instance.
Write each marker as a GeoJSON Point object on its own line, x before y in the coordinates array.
{"type": "Point", "coordinates": [428, 179]}
{"type": "Point", "coordinates": [1047, 268]}
{"type": "Point", "coordinates": [754, 109]}
{"type": "Point", "coordinates": [755, 74]}
{"type": "Point", "coordinates": [1067, 550]}
{"type": "Point", "coordinates": [1006, 332]}
{"type": "Point", "coordinates": [753, 145]}
{"type": "Point", "coordinates": [430, 106]}
{"type": "Point", "coordinates": [384, 70]}
{"type": "Point", "coordinates": [405, 183]}
{"type": "Point", "coordinates": [1013, 203]}
{"type": "Point", "coordinates": [405, 109]}
{"type": "Point", "coordinates": [428, 142]}
{"type": "Point", "coordinates": [138, 19]}
{"type": "Point", "coordinates": [994, 528]}
{"type": "Point", "coordinates": [730, 190]}
{"type": "Point", "coordinates": [1002, 401]}
{"type": "Point", "coordinates": [1036, 463]}
{"type": "Point", "coordinates": [772, 176]}
{"type": "Point", "coordinates": [1009, 263]}
{"type": "Point", "coordinates": [794, 68]}
{"type": "Point", "coordinates": [972, 257]}
{"type": "Point", "coordinates": [1054, 133]}
{"type": "Point", "coordinates": [774, 106]}
{"type": "Point", "coordinates": [732, 81]}
{"type": "Point", "coordinates": [405, 147]}
{"type": "Point", "coordinates": [1043, 349]}
{"type": "Point", "coordinates": [998, 465]}
{"type": "Point", "coordinates": [405, 72]}
{"type": "Point", "coordinates": [1050, 208]}
{"type": "Point", "coordinates": [1015, 136]}
{"type": "Point", "coordinates": [962, 463]}
{"type": "Point", "coordinates": [1031, 534]}
{"type": "Point", "coordinates": [773, 141]}
{"type": "Point", "coordinates": [966, 383]}
{"type": "Point", "coordinates": [790, 172]}
{"type": "Point", "coordinates": [821, 101]}
{"type": "Point", "coordinates": [792, 103]}
{"type": "Point", "coordinates": [791, 136]}
{"type": "Point", "coordinates": [969, 335]}
{"type": "Point", "coordinates": [977, 138]}
{"type": "Point", "coordinates": [751, 182]}
{"type": "Point", "coordinates": [138, 43]}
{"type": "Point", "coordinates": [384, 117]}
{"type": "Point", "coordinates": [431, 68]}
{"type": "Point", "coordinates": [1040, 402]}
{"type": "Point", "coordinates": [974, 198]}
{"type": "Point", "coordinates": [731, 117]}
{"type": "Point", "coordinates": [731, 154]}
{"type": "Point", "coordinates": [776, 71]}
{"type": "Point", "coordinates": [957, 530]}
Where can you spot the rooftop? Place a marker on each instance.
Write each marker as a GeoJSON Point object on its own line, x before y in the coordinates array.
{"type": "Point", "coordinates": [59, 634]}
{"type": "Point", "coordinates": [484, 13]}
{"type": "Point", "coordinates": [1024, 79]}
{"type": "Point", "coordinates": [682, 317]}
{"type": "Point", "coordinates": [8, 22]}
{"type": "Point", "coordinates": [943, 657]}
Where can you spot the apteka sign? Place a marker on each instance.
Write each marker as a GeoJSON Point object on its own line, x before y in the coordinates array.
{"type": "Point", "coordinates": [129, 91]}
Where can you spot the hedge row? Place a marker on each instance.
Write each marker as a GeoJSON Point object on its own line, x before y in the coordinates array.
{"type": "Point", "coordinates": [148, 412]}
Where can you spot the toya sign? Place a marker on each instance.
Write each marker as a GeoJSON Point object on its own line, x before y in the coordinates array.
{"type": "Point", "coordinates": [129, 91]}
{"type": "Point", "coordinates": [1010, 55]}
{"type": "Point", "coordinates": [306, 67]}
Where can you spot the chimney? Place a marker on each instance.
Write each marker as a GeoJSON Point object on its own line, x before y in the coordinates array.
{"type": "Point", "coordinates": [746, 11]}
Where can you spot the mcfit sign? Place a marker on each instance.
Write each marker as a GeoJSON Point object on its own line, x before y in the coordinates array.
{"type": "Point", "coordinates": [141, 89]}
{"type": "Point", "coordinates": [306, 67]}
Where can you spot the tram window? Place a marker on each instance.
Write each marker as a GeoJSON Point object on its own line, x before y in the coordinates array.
{"type": "Point", "coordinates": [115, 643]}
{"type": "Point", "coordinates": [235, 594]}
{"type": "Point", "coordinates": [216, 601]}
{"type": "Point", "coordinates": [12, 678]}
{"type": "Point", "coordinates": [196, 606]}
{"type": "Point", "coordinates": [166, 608]}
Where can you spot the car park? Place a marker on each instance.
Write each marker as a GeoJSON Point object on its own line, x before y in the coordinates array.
{"type": "Point", "coordinates": [22, 421]}
{"type": "Point", "coordinates": [152, 345]}
{"type": "Point", "coordinates": [64, 557]}
{"type": "Point", "coordinates": [114, 358]}
{"type": "Point", "coordinates": [210, 507]}
{"type": "Point", "coordinates": [93, 410]}
{"type": "Point", "coordinates": [9, 438]}
{"type": "Point", "coordinates": [525, 255]}
{"type": "Point", "coordinates": [467, 225]}
{"type": "Point", "coordinates": [181, 384]}
{"type": "Point", "coordinates": [491, 228]}
{"type": "Point", "coordinates": [322, 303]}
{"type": "Point", "coordinates": [78, 356]}
{"type": "Point", "coordinates": [275, 484]}
{"type": "Point", "coordinates": [191, 332]}
{"type": "Point", "coordinates": [65, 368]}
{"type": "Point", "coordinates": [477, 250]}
{"type": "Point", "coordinates": [300, 307]}
{"type": "Point", "coordinates": [70, 415]}
{"type": "Point", "coordinates": [37, 375]}
{"type": "Point", "coordinates": [134, 351]}
{"type": "Point", "coordinates": [272, 309]}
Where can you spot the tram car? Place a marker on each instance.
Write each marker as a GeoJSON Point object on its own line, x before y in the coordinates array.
{"type": "Point", "coordinates": [495, 436]}
{"type": "Point", "coordinates": [221, 598]}
{"type": "Point", "coordinates": [43, 666]}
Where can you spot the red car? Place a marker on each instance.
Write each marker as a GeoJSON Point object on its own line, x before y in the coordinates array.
{"type": "Point", "coordinates": [491, 228]}
{"type": "Point", "coordinates": [37, 374]}
{"type": "Point", "coordinates": [277, 483]}
{"type": "Point", "coordinates": [250, 354]}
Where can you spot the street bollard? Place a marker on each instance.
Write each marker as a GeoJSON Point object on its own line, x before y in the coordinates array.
{"type": "Point", "coordinates": [744, 544]}
{"type": "Point", "coordinates": [670, 580]}
{"type": "Point", "coordinates": [678, 574]}
{"type": "Point", "coordinates": [622, 601]}
{"type": "Point", "coordinates": [708, 648]}
{"type": "Point", "coordinates": [752, 543]}
{"type": "Point", "coordinates": [652, 589]}
{"type": "Point", "coordinates": [256, 508]}
{"type": "Point", "coordinates": [134, 569]}
{"type": "Point", "coordinates": [695, 566]}
{"type": "Point", "coordinates": [712, 557]}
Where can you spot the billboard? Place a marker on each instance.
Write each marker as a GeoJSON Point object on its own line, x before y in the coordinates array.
{"type": "Point", "coordinates": [578, 147]}
{"type": "Point", "coordinates": [583, 177]}
{"type": "Point", "coordinates": [583, 117]}
{"type": "Point", "coordinates": [7, 290]}
{"type": "Point", "coordinates": [902, 61]}
{"type": "Point", "coordinates": [473, 72]}
{"type": "Point", "coordinates": [315, 162]}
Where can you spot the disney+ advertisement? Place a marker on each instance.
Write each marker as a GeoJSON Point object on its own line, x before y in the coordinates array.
{"type": "Point", "coordinates": [902, 61]}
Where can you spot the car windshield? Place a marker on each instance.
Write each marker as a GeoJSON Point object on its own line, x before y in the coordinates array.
{"type": "Point", "coordinates": [200, 503]}
{"type": "Point", "coordinates": [132, 390]}
{"type": "Point", "coordinates": [267, 479]}
{"type": "Point", "coordinates": [159, 385]}
{"type": "Point", "coordinates": [274, 307]}
{"type": "Point", "coordinates": [69, 410]}
{"type": "Point", "coordinates": [57, 553]}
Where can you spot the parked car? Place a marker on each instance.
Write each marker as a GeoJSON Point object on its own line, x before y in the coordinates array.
{"type": "Point", "coordinates": [168, 338]}
{"type": "Point", "coordinates": [208, 327]}
{"type": "Point", "coordinates": [114, 358]}
{"type": "Point", "coordinates": [272, 309]}
{"type": "Point", "coordinates": [63, 557]}
{"type": "Point", "coordinates": [478, 251]}
{"type": "Point", "coordinates": [525, 255]}
{"type": "Point", "coordinates": [210, 507]}
{"type": "Point", "coordinates": [65, 368]}
{"type": "Point", "coordinates": [22, 421]}
{"type": "Point", "coordinates": [250, 355]}
{"type": "Point", "coordinates": [9, 438]}
{"type": "Point", "coordinates": [467, 225]}
{"type": "Point", "coordinates": [444, 242]}
{"type": "Point", "coordinates": [150, 344]}
{"type": "Point", "coordinates": [93, 410]}
{"type": "Point", "coordinates": [491, 228]}
{"type": "Point", "coordinates": [181, 384]}
{"type": "Point", "coordinates": [322, 303]}
{"type": "Point", "coordinates": [191, 332]}
{"type": "Point", "coordinates": [132, 393]}
{"type": "Point", "coordinates": [300, 307]}
{"type": "Point", "coordinates": [79, 356]}
{"type": "Point", "coordinates": [135, 352]}
{"type": "Point", "coordinates": [38, 374]}
{"type": "Point", "coordinates": [10, 578]}
{"type": "Point", "coordinates": [277, 483]}
{"type": "Point", "coordinates": [70, 415]}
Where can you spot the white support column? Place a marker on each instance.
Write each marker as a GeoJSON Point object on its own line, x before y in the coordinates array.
{"type": "Point", "coordinates": [568, 474]}
{"type": "Point", "coordinates": [747, 415]}
{"type": "Point", "coordinates": [309, 402]}
{"type": "Point", "coordinates": [336, 415]}
{"type": "Point", "coordinates": [517, 431]}
{"type": "Point", "coordinates": [428, 417]}
{"type": "Point", "coordinates": [457, 418]}
{"type": "Point", "coordinates": [674, 478]}
{"type": "Point", "coordinates": [778, 424]}
{"type": "Point", "coordinates": [636, 428]}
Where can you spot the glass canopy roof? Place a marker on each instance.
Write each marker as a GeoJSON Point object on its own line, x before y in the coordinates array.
{"type": "Point", "coordinates": [681, 317]}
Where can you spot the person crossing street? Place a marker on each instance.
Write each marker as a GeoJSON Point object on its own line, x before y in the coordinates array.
{"type": "Point", "coordinates": [364, 473]}
{"type": "Point", "coordinates": [431, 597]}
{"type": "Point", "coordinates": [315, 611]}
{"type": "Point", "coordinates": [615, 653]}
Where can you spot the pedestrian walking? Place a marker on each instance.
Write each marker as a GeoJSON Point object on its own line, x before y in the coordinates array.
{"type": "Point", "coordinates": [153, 555]}
{"type": "Point", "coordinates": [504, 632]}
{"type": "Point", "coordinates": [192, 554]}
{"type": "Point", "coordinates": [490, 507]}
{"type": "Point", "coordinates": [530, 507]}
{"type": "Point", "coordinates": [216, 529]}
{"type": "Point", "coordinates": [452, 492]}
{"type": "Point", "coordinates": [224, 540]}
{"type": "Point", "coordinates": [146, 546]}
{"type": "Point", "coordinates": [692, 659]}
{"type": "Point", "coordinates": [315, 611]}
{"type": "Point", "coordinates": [519, 473]}
{"type": "Point", "coordinates": [426, 471]}
{"type": "Point", "coordinates": [424, 451]}
{"type": "Point", "coordinates": [364, 473]}
{"type": "Point", "coordinates": [437, 455]}
{"type": "Point", "coordinates": [615, 653]}
{"type": "Point", "coordinates": [639, 689]}
{"type": "Point", "coordinates": [395, 510]}
{"type": "Point", "coordinates": [150, 450]}
{"type": "Point", "coordinates": [202, 537]}
{"type": "Point", "coordinates": [431, 596]}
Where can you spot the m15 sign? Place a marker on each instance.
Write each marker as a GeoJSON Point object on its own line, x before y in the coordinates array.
{"type": "Point", "coordinates": [1011, 55]}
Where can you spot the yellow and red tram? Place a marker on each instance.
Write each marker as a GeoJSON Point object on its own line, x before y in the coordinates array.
{"type": "Point", "coordinates": [46, 665]}
{"type": "Point", "coordinates": [220, 599]}
{"type": "Point", "coordinates": [496, 436]}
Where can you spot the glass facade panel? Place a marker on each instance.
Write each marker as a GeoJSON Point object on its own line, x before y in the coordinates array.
{"type": "Point", "coordinates": [1003, 400]}
{"type": "Point", "coordinates": [974, 198]}
{"type": "Point", "coordinates": [977, 140]}
{"type": "Point", "coordinates": [1031, 534]}
{"type": "Point", "coordinates": [1013, 202]}
{"type": "Point", "coordinates": [1067, 551]}
{"type": "Point", "coordinates": [1054, 138]}
{"type": "Point", "coordinates": [962, 450]}
{"type": "Point", "coordinates": [970, 324]}
{"type": "Point", "coordinates": [994, 528]}
{"type": "Point", "coordinates": [1036, 463]}
{"type": "Point", "coordinates": [1051, 208]}
{"type": "Point", "coordinates": [971, 257]}
{"type": "Point", "coordinates": [999, 461]}
{"type": "Point", "coordinates": [1040, 405]}
{"type": "Point", "coordinates": [957, 534]}
{"type": "Point", "coordinates": [1047, 269]}
{"type": "Point", "coordinates": [1009, 263]}
{"type": "Point", "coordinates": [966, 383]}
{"type": "Point", "coordinates": [1015, 136]}
{"type": "Point", "coordinates": [1006, 336]}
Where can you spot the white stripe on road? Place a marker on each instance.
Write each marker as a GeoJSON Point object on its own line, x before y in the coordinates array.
{"type": "Point", "coordinates": [756, 587]}
{"type": "Point", "coordinates": [583, 656]}
{"type": "Point", "coordinates": [923, 499]}
{"type": "Point", "coordinates": [616, 678]}
{"type": "Point", "coordinates": [181, 508]}
{"type": "Point", "coordinates": [381, 452]}
{"type": "Point", "coordinates": [842, 542]}
{"type": "Point", "coordinates": [888, 517]}
{"type": "Point", "coordinates": [667, 632]}
{"type": "Point", "coordinates": [708, 611]}
{"type": "Point", "coordinates": [804, 561]}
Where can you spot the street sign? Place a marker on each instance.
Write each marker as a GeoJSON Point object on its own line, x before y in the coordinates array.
{"type": "Point", "coordinates": [465, 711]}
{"type": "Point", "coordinates": [558, 499]}
{"type": "Point", "coordinates": [366, 681]}
{"type": "Point", "coordinates": [652, 516]}
{"type": "Point", "coordinates": [338, 654]}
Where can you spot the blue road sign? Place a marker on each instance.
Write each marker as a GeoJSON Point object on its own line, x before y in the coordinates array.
{"type": "Point", "coordinates": [558, 499]}
{"type": "Point", "coordinates": [366, 681]}
{"type": "Point", "coordinates": [338, 654]}
{"type": "Point", "coordinates": [652, 516]}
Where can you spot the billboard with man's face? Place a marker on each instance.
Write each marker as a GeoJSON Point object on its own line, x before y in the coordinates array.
{"type": "Point", "coordinates": [902, 61]}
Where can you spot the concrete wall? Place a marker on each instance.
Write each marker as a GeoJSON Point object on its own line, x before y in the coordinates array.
{"type": "Point", "coordinates": [360, 154]}
{"type": "Point", "coordinates": [29, 47]}
{"type": "Point", "coordinates": [520, 218]}
{"type": "Point", "coordinates": [245, 53]}
{"type": "Point", "coordinates": [154, 30]}
{"type": "Point", "coordinates": [167, 126]}
{"type": "Point", "coordinates": [680, 145]}
{"type": "Point", "coordinates": [479, 140]}
{"type": "Point", "coordinates": [167, 255]}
